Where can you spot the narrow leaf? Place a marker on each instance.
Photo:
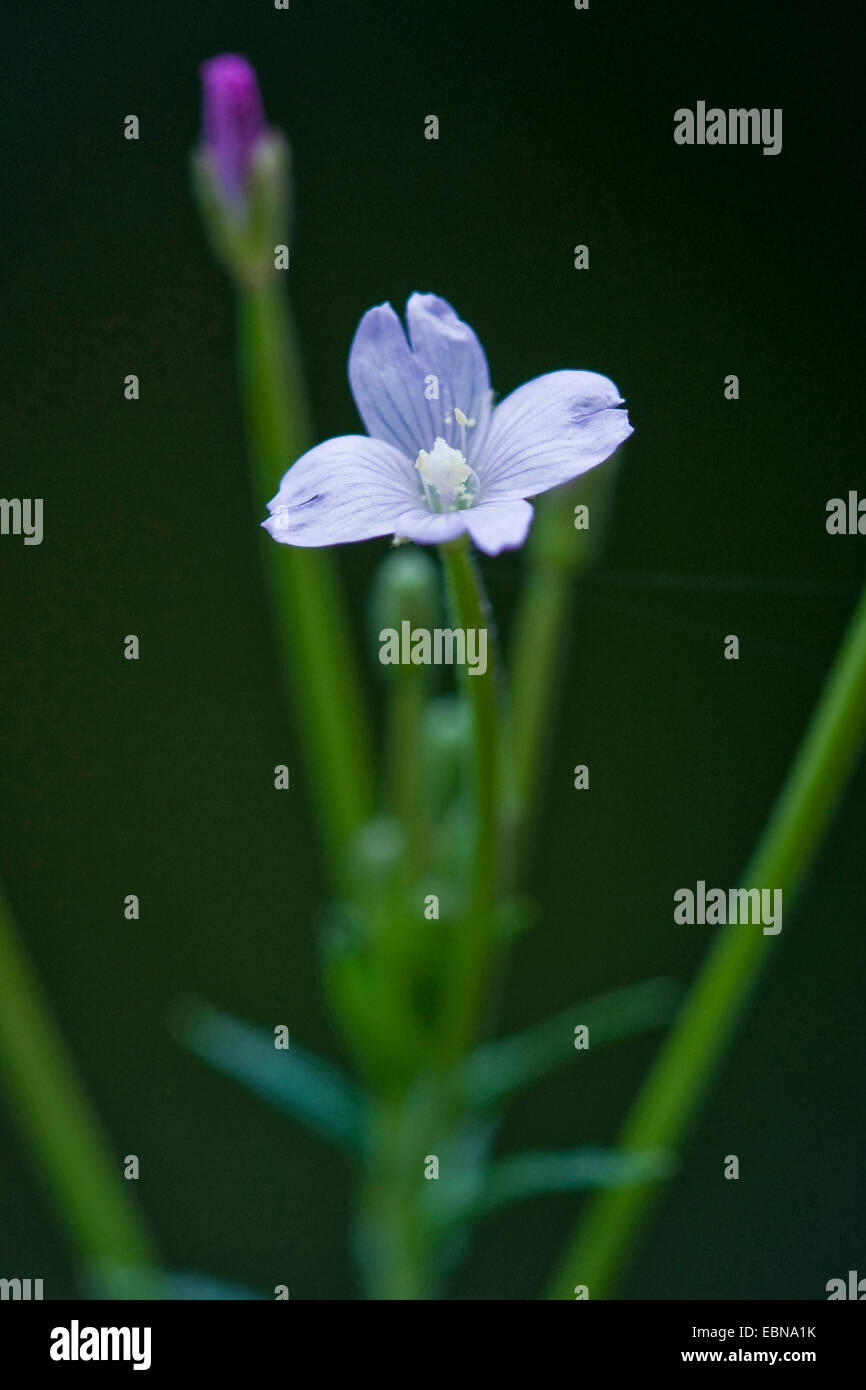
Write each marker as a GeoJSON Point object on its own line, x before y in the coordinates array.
{"type": "Point", "coordinates": [538, 1174]}
{"type": "Point", "coordinates": [530, 1174]}
{"type": "Point", "coordinates": [109, 1279]}
{"type": "Point", "coordinates": [501, 1068]}
{"type": "Point", "coordinates": [295, 1081]}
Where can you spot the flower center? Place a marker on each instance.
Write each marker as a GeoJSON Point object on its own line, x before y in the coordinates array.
{"type": "Point", "coordinates": [449, 483]}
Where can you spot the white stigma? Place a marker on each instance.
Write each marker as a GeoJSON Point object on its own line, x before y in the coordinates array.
{"type": "Point", "coordinates": [446, 470]}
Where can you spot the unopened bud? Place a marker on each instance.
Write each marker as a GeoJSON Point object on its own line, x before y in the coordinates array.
{"type": "Point", "coordinates": [233, 122]}
{"type": "Point", "coordinates": [240, 172]}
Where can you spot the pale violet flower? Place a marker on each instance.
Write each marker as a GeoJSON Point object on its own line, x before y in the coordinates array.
{"type": "Point", "coordinates": [439, 458]}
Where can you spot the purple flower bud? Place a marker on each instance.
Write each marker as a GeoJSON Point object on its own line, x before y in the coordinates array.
{"type": "Point", "coordinates": [233, 120]}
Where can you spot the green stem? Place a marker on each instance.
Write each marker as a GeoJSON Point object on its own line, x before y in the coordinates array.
{"type": "Point", "coordinates": [316, 642]}
{"type": "Point", "coordinates": [558, 556]}
{"type": "Point", "coordinates": [393, 1248]}
{"type": "Point", "coordinates": [671, 1095]}
{"type": "Point", "coordinates": [58, 1120]}
{"type": "Point", "coordinates": [407, 702]}
{"type": "Point", "coordinates": [474, 942]}
{"type": "Point", "coordinates": [540, 625]}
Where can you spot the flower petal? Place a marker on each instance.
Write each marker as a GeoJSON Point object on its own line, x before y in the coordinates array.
{"type": "Point", "coordinates": [347, 489]}
{"type": "Point", "coordinates": [431, 528]}
{"type": "Point", "coordinates": [387, 381]}
{"type": "Point", "coordinates": [549, 431]}
{"type": "Point", "coordinates": [449, 350]}
{"type": "Point", "coordinates": [498, 526]}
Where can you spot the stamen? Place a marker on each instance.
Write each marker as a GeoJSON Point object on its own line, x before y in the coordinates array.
{"type": "Point", "coordinates": [445, 471]}
{"type": "Point", "coordinates": [462, 420]}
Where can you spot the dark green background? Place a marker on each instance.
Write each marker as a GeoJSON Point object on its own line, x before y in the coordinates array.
{"type": "Point", "coordinates": [156, 777]}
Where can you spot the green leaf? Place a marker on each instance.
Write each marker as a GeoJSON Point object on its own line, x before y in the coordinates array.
{"type": "Point", "coordinates": [109, 1279]}
{"type": "Point", "coordinates": [501, 1068]}
{"type": "Point", "coordinates": [295, 1081]}
{"type": "Point", "coordinates": [538, 1174]}
{"type": "Point", "coordinates": [530, 1174]}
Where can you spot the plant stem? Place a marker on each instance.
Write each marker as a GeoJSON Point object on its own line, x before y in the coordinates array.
{"type": "Point", "coordinates": [393, 1242]}
{"type": "Point", "coordinates": [547, 604]}
{"type": "Point", "coordinates": [316, 642]}
{"type": "Point", "coordinates": [671, 1095]}
{"type": "Point", "coordinates": [558, 556]}
{"type": "Point", "coordinates": [473, 944]}
{"type": "Point", "coordinates": [407, 700]}
{"type": "Point", "coordinates": [58, 1120]}
{"type": "Point", "coordinates": [539, 626]}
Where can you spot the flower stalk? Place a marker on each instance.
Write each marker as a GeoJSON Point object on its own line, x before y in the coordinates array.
{"type": "Point", "coordinates": [558, 557]}
{"type": "Point", "coordinates": [472, 945]}
{"type": "Point", "coordinates": [241, 180]}
{"type": "Point", "coordinates": [316, 643]}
